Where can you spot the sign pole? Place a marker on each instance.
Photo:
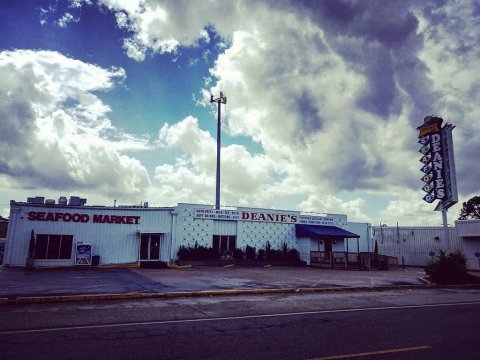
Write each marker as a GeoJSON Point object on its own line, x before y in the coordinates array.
{"type": "Point", "coordinates": [446, 233]}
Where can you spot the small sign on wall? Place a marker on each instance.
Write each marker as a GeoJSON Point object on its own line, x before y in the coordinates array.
{"type": "Point", "coordinates": [83, 254]}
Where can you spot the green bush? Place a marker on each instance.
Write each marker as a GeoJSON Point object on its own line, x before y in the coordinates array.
{"type": "Point", "coordinates": [250, 252]}
{"type": "Point", "coordinates": [447, 269]}
{"type": "Point", "coordinates": [197, 253]}
{"type": "Point", "coordinates": [293, 255]}
{"type": "Point", "coordinates": [238, 254]}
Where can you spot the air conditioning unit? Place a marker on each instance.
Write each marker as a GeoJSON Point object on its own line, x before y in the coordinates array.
{"type": "Point", "coordinates": [39, 200]}
{"type": "Point", "coordinates": [74, 201]}
{"type": "Point", "coordinates": [50, 202]}
{"type": "Point", "coordinates": [62, 200]}
{"type": "Point", "coordinates": [77, 201]}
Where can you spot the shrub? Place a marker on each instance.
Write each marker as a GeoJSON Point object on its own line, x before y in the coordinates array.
{"type": "Point", "coordinates": [197, 252]}
{"type": "Point", "coordinates": [250, 253]}
{"type": "Point", "coordinates": [285, 250]}
{"type": "Point", "coordinates": [447, 269]}
{"type": "Point", "coordinates": [261, 254]}
{"type": "Point", "coordinates": [293, 255]}
{"type": "Point", "coordinates": [268, 248]}
{"type": "Point", "coordinates": [238, 254]}
{"type": "Point", "coordinates": [274, 255]}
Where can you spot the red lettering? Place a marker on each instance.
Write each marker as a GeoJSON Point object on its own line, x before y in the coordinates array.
{"type": "Point", "coordinates": [283, 218]}
{"type": "Point", "coordinates": [261, 217]}
{"type": "Point", "coordinates": [270, 217]}
{"type": "Point", "coordinates": [293, 218]}
{"type": "Point", "coordinates": [84, 218]}
{"type": "Point", "coordinates": [245, 215]}
{"type": "Point", "coordinates": [254, 216]}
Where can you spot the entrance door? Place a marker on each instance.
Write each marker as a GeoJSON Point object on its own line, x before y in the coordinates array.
{"type": "Point", "coordinates": [150, 247]}
{"type": "Point", "coordinates": [328, 246]}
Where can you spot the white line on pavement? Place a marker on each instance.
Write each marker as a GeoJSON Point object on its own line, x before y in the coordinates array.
{"type": "Point", "coordinates": [245, 317]}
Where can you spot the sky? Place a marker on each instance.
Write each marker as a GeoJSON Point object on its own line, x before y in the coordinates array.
{"type": "Point", "coordinates": [110, 100]}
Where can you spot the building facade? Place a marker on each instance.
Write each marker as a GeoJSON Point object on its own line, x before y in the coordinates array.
{"type": "Point", "coordinates": [415, 246]}
{"type": "Point", "coordinates": [61, 234]}
{"type": "Point", "coordinates": [468, 232]}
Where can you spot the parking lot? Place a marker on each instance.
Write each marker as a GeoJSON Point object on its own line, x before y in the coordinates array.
{"type": "Point", "coordinates": [69, 281]}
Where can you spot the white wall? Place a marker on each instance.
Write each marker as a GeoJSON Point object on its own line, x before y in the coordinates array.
{"type": "Point", "coordinates": [413, 243]}
{"type": "Point", "coordinates": [365, 240]}
{"type": "Point", "coordinates": [469, 232]}
{"type": "Point", "coordinates": [468, 228]}
{"type": "Point", "coordinates": [114, 243]}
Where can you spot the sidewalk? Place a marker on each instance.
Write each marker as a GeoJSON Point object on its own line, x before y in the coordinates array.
{"type": "Point", "coordinates": [72, 284]}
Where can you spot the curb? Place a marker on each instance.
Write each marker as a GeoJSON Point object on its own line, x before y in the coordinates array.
{"type": "Point", "coordinates": [160, 295]}
{"type": "Point", "coordinates": [18, 300]}
{"type": "Point", "coordinates": [426, 281]}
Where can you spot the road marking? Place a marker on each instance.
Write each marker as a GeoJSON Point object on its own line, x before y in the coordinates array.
{"type": "Point", "coordinates": [244, 317]}
{"type": "Point", "coordinates": [379, 352]}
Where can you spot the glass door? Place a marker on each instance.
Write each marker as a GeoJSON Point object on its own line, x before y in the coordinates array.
{"type": "Point", "coordinates": [150, 247]}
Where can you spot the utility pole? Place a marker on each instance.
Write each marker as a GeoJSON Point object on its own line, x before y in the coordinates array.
{"type": "Point", "coordinates": [220, 100]}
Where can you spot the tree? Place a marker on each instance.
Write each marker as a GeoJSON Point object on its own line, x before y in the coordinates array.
{"type": "Point", "coordinates": [471, 209]}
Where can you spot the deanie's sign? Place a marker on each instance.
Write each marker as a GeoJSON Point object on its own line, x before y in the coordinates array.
{"type": "Point", "coordinates": [266, 216]}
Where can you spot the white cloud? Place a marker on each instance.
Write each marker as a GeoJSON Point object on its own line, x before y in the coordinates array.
{"type": "Point", "coordinates": [66, 19]}
{"type": "Point", "coordinates": [452, 55]}
{"type": "Point", "coordinates": [332, 92]}
{"type": "Point", "coordinates": [332, 204]}
{"type": "Point", "coordinates": [243, 175]}
{"type": "Point", "coordinates": [56, 132]}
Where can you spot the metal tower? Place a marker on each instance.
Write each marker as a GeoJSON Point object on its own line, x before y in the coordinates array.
{"type": "Point", "coordinates": [220, 100]}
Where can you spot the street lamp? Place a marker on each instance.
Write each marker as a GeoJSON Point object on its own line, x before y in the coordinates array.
{"type": "Point", "coordinates": [220, 100]}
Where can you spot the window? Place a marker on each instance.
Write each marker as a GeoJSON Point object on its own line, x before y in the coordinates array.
{"type": "Point", "coordinates": [53, 247]}
{"type": "Point", "coordinates": [222, 243]}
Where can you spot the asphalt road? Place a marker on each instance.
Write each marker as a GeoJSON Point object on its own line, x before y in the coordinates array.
{"type": "Point", "coordinates": [419, 324]}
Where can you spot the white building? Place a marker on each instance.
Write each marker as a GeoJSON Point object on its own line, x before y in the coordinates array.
{"type": "Point", "coordinates": [69, 234]}
{"type": "Point", "coordinates": [469, 233]}
{"type": "Point", "coordinates": [417, 245]}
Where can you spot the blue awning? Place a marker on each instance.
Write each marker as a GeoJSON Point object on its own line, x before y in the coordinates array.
{"type": "Point", "coordinates": [323, 231]}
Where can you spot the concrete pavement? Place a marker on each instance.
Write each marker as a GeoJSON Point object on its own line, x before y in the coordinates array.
{"type": "Point", "coordinates": [76, 284]}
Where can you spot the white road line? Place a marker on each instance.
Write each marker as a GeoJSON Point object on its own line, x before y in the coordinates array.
{"type": "Point", "coordinates": [245, 317]}
{"type": "Point", "coordinates": [378, 352]}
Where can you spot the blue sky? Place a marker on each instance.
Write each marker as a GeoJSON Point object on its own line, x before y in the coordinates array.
{"type": "Point", "coordinates": [109, 100]}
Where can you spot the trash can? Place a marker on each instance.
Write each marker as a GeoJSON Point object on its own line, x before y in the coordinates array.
{"type": "Point", "coordinates": [95, 260]}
